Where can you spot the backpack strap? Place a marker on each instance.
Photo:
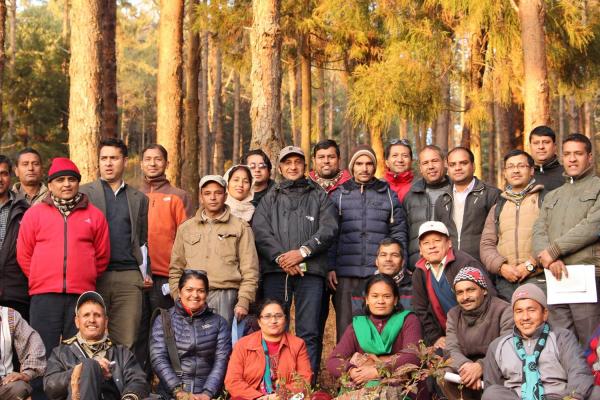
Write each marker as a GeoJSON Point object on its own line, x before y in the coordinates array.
{"type": "Point", "coordinates": [499, 204]}
{"type": "Point", "coordinates": [170, 341]}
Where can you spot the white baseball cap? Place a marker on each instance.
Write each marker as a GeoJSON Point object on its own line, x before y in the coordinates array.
{"type": "Point", "coordinates": [433, 226]}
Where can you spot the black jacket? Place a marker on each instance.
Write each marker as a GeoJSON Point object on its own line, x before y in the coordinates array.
{"type": "Point", "coordinates": [477, 207]}
{"type": "Point", "coordinates": [294, 214]}
{"type": "Point", "coordinates": [418, 210]}
{"type": "Point", "coordinates": [550, 174]}
{"type": "Point", "coordinates": [13, 283]}
{"type": "Point", "coordinates": [127, 373]}
{"type": "Point", "coordinates": [203, 344]}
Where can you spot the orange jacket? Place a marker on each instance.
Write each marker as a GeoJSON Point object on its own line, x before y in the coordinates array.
{"type": "Point", "coordinates": [168, 207]}
{"type": "Point", "coordinates": [247, 366]}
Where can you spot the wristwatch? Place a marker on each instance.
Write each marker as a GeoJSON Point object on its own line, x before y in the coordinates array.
{"type": "Point", "coordinates": [529, 266]}
{"type": "Point", "coordinates": [304, 251]}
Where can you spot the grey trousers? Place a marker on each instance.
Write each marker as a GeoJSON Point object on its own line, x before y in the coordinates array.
{"type": "Point", "coordinates": [18, 390]}
{"type": "Point", "coordinates": [498, 392]}
{"type": "Point", "coordinates": [223, 301]}
{"type": "Point", "coordinates": [581, 319]}
{"type": "Point", "coordinates": [342, 301]}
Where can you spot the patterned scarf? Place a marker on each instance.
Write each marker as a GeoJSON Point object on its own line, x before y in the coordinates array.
{"type": "Point", "coordinates": [95, 349]}
{"type": "Point", "coordinates": [517, 198]}
{"type": "Point", "coordinates": [326, 183]}
{"type": "Point", "coordinates": [66, 206]}
{"type": "Point", "coordinates": [532, 388]}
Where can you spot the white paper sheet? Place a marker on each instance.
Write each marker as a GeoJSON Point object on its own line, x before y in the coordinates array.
{"type": "Point", "coordinates": [579, 287]}
{"type": "Point", "coordinates": [144, 266]}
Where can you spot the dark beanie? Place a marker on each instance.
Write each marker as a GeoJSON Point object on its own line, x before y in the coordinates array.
{"type": "Point", "coordinates": [361, 150]}
{"type": "Point", "coordinates": [62, 166]}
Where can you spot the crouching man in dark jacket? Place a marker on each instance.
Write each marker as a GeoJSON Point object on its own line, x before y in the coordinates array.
{"type": "Point", "coordinates": [89, 366]}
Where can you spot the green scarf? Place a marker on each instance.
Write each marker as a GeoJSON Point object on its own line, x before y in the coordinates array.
{"type": "Point", "coordinates": [532, 388]}
{"type": "Point", "coordinates": [373, 342]}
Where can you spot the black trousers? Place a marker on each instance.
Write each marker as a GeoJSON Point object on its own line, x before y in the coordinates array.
{"type": "Point", "coordinates": [52, 315]}
{"type": "Point", "coordinates": [21, 308]}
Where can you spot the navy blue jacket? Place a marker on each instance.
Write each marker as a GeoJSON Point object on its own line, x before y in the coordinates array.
{"type": "Point", "coordinates": [367, 214]}
{"type": "Point", "coordinates": [203, 344]}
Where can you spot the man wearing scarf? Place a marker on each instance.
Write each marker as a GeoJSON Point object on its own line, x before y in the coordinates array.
{"type": "Point", "coordinates": [327, 173]}
{"type": "Point", "coordinates": [89, 366]}
{"type": "Point", "coordinates": [566, 232]}
{"type": "Point", "coordinates": [505, 247]}
{"type": "Point", "coordinates": [62, 248]}
{"type": "Point", "coordinates": [536, 360]}
{"type": "Point", "coordinates": [168, 207]}
{"type": "Point", "coordinates": [472, 325]}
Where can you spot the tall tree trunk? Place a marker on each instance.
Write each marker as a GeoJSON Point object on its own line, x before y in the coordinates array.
{"type": "Point", "coordinates": [346, 135]}
{"type": "Point", "coordinates": [306, 108]}
{"type": "Point", "coordinates": [573, 115]}
{"type": "Point", "coordinates": [330, 106]}
{"type": "Point", "coordinates": [169, 94]}
{"type": "Point", "coordinates": [110, 114]}
{"type": "Point", "coordinates": [85, 92]}
{"type": "Point", "coordinates": [375, 134]}
{"type": "Point", "coordinates": [214, 95]}
{"type": "Point", "coordinates": [189, 176]}
{"type": "Point", "coordinates": [502, 129]}
{"type": "Point", "coordinates": [203, 114]}
{"type": "Point", "coordinates": [561, 119]}
{"type": "Point", "coordinates": [320, 106]}
{"type": "Point", "coordinates": [442, 124]}
{"type": "Point", "coordinates": [265, 112]}
{"type": "Point", "coordinates": [293, 97]}
{"type": "Point", "coordinates": [403, 129]}
{"type": "Point", "coordinates": [491, 170]}
{"type": "Point", "coordinates": [479, 45]}
{"type": "Point", "coordinates": [588, 129]}
{"type": "Point", "coordinates": [12, 39]}
{"type": "Point", "coordinates": [536, 91]}
{"type": "Point", "coordinates": [237, 93]}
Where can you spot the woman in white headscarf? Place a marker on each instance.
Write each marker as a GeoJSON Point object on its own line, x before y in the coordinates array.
{"type": "Point", "coordinates": [239, 185]}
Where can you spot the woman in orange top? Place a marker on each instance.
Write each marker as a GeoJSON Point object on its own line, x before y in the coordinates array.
{"type": "Point", "coordinates": [268, 361]}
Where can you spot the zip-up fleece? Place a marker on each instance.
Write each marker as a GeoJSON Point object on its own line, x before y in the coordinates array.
{"type": "Point", "coordinates": [63, 254]}
{"type": "Point", "coordinates": [477, 206]}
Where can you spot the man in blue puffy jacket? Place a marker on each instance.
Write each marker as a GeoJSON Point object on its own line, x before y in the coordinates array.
{"type": "Point", "coordinates": [368, 212]}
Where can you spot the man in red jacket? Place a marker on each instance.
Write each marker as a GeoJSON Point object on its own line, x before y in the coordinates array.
{"type": "Point", "coordinates": [63, 246]}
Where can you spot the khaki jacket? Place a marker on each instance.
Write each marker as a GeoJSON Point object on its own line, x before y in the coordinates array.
{"type": "Point", "coordinates": [568, 223]}
{"type": "Point", "coordinates": [510, 241]}
{"type": "Point", "coordinates": [224, 248]}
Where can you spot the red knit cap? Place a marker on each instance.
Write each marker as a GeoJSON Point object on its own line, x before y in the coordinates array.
{"type": "Point", "coordinates": [62, 166]}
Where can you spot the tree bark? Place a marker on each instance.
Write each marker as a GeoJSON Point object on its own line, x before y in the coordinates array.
{"type": "Point", "coordinates": [12, 38]}
{"type": "Point", "coordinates": [189, 176]}
{"type": "Point", "coordinates": [237, 90]}
{"type": "Point", "coordinates": [561, 119]}
{"type": "Point", "coordinates": [306, 108]}
{"type": "Point", "coordinates": [293, 97]}
{"type": "Point", "coordinates": [442, 124]}
{"type": "Point", "coordinates": [330, 106]}
{"type": "Point", "coordinates": [377, 146]}
{"type": "Point", "coordinates": [346, 135]}
{"type": "Point", "coordinates": [215, 85]}
{"type": "Point", "coordinates": [203, 115]}
{"type": "Point", "coordinates": [320, 106]}
{"type": "Point", "coordinates": [265, 45]}
{"type": "Point", "coordinates": [169, 94]}
{"type": "Point", "coordinates": [536, 92]}
{"type": "Point", "coordinates": [573, 116]}
{"type": "Point", "coordinates": [110, 114]}
{"type": "Point", "coordinates": [85, 92]}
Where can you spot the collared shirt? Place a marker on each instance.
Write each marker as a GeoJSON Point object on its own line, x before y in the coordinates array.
{"type": "Point", "coordinates": [206, 218]}
{"type": "Point", "coordinates": [31, 200]}
{"type": "Point", "coordinates": [458, 209]}
{"type": "Point", "coordinates": [437, 273]}
{"type": "Point", "coordinates": [462, 196]}
{"type": "Point", "coordinates": [116, 192]}
{"type": "Point", "coordinates": [4, 211]}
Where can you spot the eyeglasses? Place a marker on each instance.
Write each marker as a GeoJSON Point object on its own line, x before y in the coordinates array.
{"type": "Point", "coordinates": [198, 271]}
{"type": "Point", "coordinates": [257, 166]}
{"type": "Point", "coordinates": [518, 166]}
{"type": "Point", "coordinates": [404, 142]}
{"type": "Point", "coordinates": [276, 317]}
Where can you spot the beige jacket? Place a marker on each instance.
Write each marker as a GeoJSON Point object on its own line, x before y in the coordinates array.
{"type": "Point", "coordinates": [224, 248]}
{"type": "Point", "coordinates": [511, 242]}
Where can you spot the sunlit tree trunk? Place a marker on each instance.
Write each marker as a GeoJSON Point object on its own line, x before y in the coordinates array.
{"type": "Point", "coordinates": [561, 119]}
{"type": "Point", "coordinates": [12, 39]}
{"type": "Point", "coordinates": [237, 90]}
{"type": "Point", "coordinates": [330, 106]}
{"type": "Point", "coordinates": [536, 92]}
{"type": "Point", "coordinates": [110, 115]}
{"type": "Point", "coordinates": [203, 114]}
{"type": "Point", "coordinates": [215, 105]}
{"type": "Point", "coordinates": [293, 97]}
{"type": "Point", "coordinates": [377, 146]}
{"type": "Point", "coordinates": [346, 135]}
{"type": "Point", "coordinates": [442, 123]}
{"type": "Point", "coordinates": [306, 108]}
{"type": "Point", "coordinates": [573, 115]}
{"type": "Point", "coordinates": [169, 94]}
{"type": "Point", "coordinates": [189, 176]}
{"type": "Point", "coordinates": [265, 76]}
{"type": "Point", "coordinates": [320, 106]}
{"type": "Point", "coordinates": [85, 93]}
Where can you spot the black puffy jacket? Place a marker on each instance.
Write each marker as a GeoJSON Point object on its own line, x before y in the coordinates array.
{"type": "Point", "coordinates": [203, 344]}
{"type": "Point", "coordinates": [418, 210]}
{"type": "Point", "coordinates": [126, 373]}
{"type": "Point", "coordinates": [367, 214]}
{"type": "Point", "coordinates": [294, 214]}
{"type": "Point", "coordinates": [13, 282]}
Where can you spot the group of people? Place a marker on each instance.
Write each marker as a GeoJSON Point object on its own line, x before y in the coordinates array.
{"type": "Point", "coordinates": [103, 285]}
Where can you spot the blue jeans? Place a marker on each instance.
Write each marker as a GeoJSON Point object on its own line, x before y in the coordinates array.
{"type": "Point", "coordinates": [307, 292]}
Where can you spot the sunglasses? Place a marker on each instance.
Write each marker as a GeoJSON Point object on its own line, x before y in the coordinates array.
{"type": "Point", "coordinates": [404, 142]}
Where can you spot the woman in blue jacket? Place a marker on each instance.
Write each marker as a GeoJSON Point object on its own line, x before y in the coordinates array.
{"type": "Point", "coordinates": [202, 341]}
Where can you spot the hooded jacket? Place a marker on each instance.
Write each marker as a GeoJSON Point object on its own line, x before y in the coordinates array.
{"type": "Point", "coordinates": [400, 183]}
{"type": "Point", "coordinates": [367, 214]}
{"type": "Point", "coordinates": [550, 174]}
{"type": "Point", "coordinates": [417, 204]}
{"type": "Point", "coordinates": [478, 203]}
{"type": "Point", "coordinates": [13, 285]}
{"type": "Point", "coordinates": [203, 342]}
{"type": "Point", "coordinates": [294, 214]}
{"type": "Point", "coordinates": [568, 222]}
{"type": "Point", "coordinates": [63, 254]}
